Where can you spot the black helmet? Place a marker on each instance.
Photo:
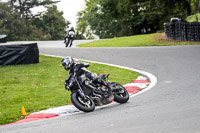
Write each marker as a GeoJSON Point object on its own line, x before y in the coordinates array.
{"type": "Point", "coordinates": [67, 62]}
{"type": "Point", "coordinates": [72, 28]}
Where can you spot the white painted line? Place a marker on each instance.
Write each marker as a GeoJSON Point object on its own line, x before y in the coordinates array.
{"type": "Point", "coordinates": [62, 110]}
{"type": "Point", "coordinates": [140, 85]}
{"type": "Point", "coordinates": [141, 78]}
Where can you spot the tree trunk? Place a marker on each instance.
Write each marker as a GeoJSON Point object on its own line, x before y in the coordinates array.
{"type": "Point", "coordinates": [199, 7]}
{"type": "Point", "coordinates": [188, 7]}
{"type": "Point", "coordinates": [195, 11]}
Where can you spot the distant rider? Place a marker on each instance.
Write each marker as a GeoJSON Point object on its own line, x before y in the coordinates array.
{"type": "Point", "coordinates": [67, 37]}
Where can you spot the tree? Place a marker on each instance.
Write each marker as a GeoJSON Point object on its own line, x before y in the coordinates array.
{"type": "Point", "coordinates": [195, 6]}
{"type": "Point", "coordinates": [83, 29]}
{"type": "Point", "coordinates": [54, 23]}
{"type": "Point", "coordinates": [51, 25]}
{"type": "Point", "coordinates": [114, 18]}
{"type": "Point", "coordinates": [10, 23]}
{"type": "Point", "coordinates": [24, 8]}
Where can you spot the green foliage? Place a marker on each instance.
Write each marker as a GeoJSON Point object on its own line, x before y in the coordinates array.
{"type": "Point", "coordinates": [9, 20]}
{"type": "Point", "coordinates": [24, 6]}
{"type": "Point", "coordinates": [54, 23]}
{"type": "Point", "coordinates": [115, 18]}
{"type": "Point", "coordinates": [41, 86]}
{"type": "Point", "coordinates": [83, 28]}
{"type": "Point", "coordinates": [18, 22]}
{"type": "Point", "coordinates": [192, 18]}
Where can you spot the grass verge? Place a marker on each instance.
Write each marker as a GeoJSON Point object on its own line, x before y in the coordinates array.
{"type": "Point", "coordinates": [41, 86]}
{"type": "Point", "coordinates": [192, 18]}
{"type": "Point", "coordinates": [156, 39]}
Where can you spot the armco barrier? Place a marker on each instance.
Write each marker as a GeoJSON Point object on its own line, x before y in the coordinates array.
{"type": "Point", "coordinates": [181, 30]}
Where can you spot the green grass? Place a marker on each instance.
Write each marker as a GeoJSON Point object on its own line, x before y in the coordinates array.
{"type": "Point", "coordinates": [192, 18]}
{"type": "Point", "coordinates": [156, 39]}
{"type": "Point", "coordinates": [41, 86]}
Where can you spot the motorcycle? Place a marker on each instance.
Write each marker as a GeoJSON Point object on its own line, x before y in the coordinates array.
{"type": "Point", "coordinates": [69, 39]}
{"type": "Point", "coordinates": [89, 90]}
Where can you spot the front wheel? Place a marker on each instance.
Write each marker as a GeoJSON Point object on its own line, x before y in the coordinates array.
{"type": "Point", "coordinates": [85, 105]}
{"type": "Point", "coordinates": [70, 43]}
{"type": "Point", "coordinates": [66, 44]}
{"type": "Point", "coordinates": [121, 95]}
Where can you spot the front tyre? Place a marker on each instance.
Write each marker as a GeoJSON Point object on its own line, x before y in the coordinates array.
{"type": "Point", "coordinates": [70, 43]}
{"type": "Point", "coordinates": [66, 44]}
{"type": "Point", "coordinates": [121, 95]}
{"type": "Point", "coordinates": [86, 105]}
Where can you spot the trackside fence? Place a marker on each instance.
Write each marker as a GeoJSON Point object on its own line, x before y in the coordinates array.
{"type": "Point", "coordinates": [181, 30]}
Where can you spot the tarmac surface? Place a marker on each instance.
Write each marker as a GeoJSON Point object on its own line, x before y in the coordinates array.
{"type": "Point", "coordinates": [172, 106]}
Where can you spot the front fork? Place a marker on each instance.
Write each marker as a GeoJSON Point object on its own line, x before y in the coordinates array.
{"type": "Point", "coordinates": [80, 90]}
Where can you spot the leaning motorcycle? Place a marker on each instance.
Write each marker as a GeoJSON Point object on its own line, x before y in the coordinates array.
{"type": "Point", "coordinates": [69, 39]}
{"type": "Point", "coordinates": [89, 90]}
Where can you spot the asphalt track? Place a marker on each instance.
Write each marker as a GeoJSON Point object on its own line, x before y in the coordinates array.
{"type": "Point", "coordinates": [172, 106]}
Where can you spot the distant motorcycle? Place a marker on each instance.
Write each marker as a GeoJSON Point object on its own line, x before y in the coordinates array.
{"type": "Point", "coordinates": [69, 39]}
{"type": "Point", "coordinates": [88, 90]}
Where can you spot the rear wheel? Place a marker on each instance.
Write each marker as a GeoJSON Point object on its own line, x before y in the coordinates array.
{"type": "Point", "coordinates": [86, 105]}
{"type": "Point", "coordinates": [121, 95]}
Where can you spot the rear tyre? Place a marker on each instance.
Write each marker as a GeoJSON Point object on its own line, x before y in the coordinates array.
{"type": "Point", "coordinates": [83, 105]}
{"type": "Point", "coordinates": [121, 95]}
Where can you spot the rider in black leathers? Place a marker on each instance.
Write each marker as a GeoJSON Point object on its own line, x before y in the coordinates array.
{"type": "Point", "coordinates": [72, 66]}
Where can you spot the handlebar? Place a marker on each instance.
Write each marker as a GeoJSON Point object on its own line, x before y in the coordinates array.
{"type": "Point", "coordinates": [108, 75]}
